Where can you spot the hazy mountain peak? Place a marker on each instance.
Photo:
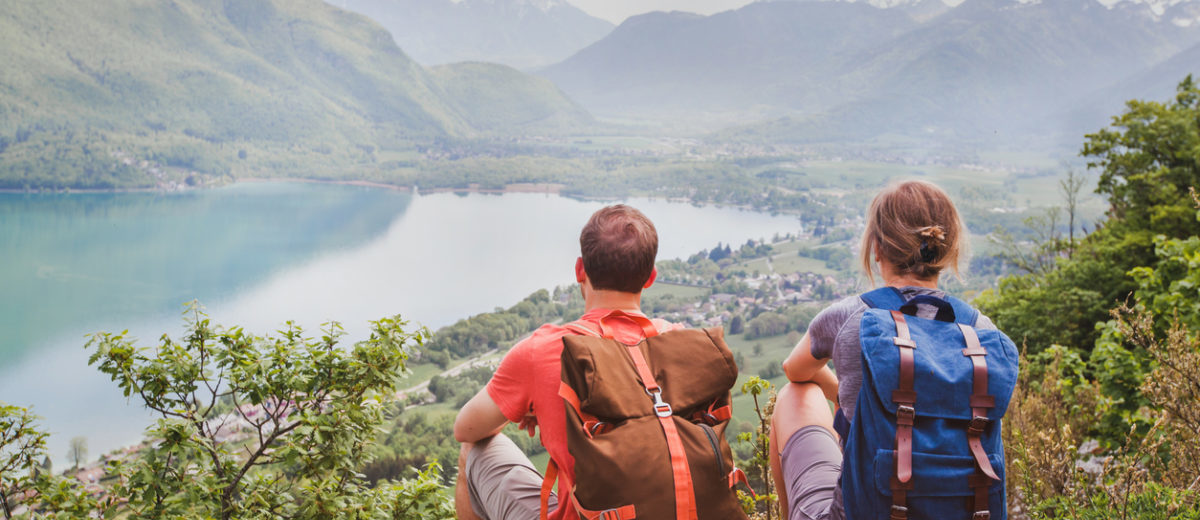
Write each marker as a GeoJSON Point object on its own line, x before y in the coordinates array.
{"type": "Point", "coordinates": [541, 5]}
{"type": "Point", "coordinates": [882, 4]}
{"type": "Point", "coordinates": [1158, 7]}
{"type": "Point", "coordinates": [518, 33]}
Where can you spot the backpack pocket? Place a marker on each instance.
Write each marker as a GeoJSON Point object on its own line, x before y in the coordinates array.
{"type": "Point", "coordinates": [933, 475]}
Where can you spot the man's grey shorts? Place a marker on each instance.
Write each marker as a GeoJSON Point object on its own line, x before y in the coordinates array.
{"type": "Point", "coordinates": [504, 485]}
{"type": "Point", "coordinates": [812, 464]}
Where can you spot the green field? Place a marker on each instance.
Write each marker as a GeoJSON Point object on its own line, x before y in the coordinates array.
{"type": "Point", "coordinates": [680, 292]}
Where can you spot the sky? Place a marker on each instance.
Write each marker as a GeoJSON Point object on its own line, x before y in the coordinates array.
{"type": "Point", "coordinates": [617, 11]}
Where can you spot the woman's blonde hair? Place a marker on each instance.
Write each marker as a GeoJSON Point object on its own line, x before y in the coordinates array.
{"type": "Point", "coordinates": [914, 226]}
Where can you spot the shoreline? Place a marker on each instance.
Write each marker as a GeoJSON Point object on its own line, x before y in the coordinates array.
{"type": "Point", "coordinates": [519, 187]}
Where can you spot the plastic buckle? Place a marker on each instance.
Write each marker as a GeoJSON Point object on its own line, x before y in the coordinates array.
{"type": "Point", "coordinates": [982, 515]}
{"type": "Point", "coordinates": [905, 415]}
{"type": "Point", "coordinates": [977, 425]}
{"type": "Point", "coordinates": [661, 408]}
{"type": "Point", "coordinates": [610, 514]}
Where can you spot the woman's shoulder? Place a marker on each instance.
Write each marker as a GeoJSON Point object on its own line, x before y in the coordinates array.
{"type": "Point", "coordinates": [834, 316]}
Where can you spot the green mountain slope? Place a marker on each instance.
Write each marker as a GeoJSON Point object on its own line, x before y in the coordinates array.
{"type": "Point", "coordinates": [218, 86]}
{"type": "Point", "coordinates": [495, 97]}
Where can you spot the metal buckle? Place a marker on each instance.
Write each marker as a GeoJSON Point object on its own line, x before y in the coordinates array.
{"type": "Point", "coordinates": [977, 425]}
{"type": "Point", "coordinates": [905, 415]}
{"type": "Point", "coordinates": [597, 426]}
{"type": "Point", "coordinates": [900, 511]}
{"type": "Point", "coordinates": [661, 408]}
{"type": "Point", "coordinates": [982, 515]}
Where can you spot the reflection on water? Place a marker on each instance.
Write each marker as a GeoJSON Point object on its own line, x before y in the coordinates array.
{"type": "Point", "coordinates": [257, 255]}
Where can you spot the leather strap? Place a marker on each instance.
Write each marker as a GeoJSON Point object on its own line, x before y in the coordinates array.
{"type": "Point", "coordinates": [980, 483]}
{"type": "Point", "coordinates": [905, 398]}
{"type": "Point", "coordinates": [685, 495]}
{"type": "Point", "coordinates": [980, 400]}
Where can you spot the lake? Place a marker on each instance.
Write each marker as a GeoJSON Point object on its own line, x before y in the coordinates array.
{"type": "Point", "coordinates": [258, 254]}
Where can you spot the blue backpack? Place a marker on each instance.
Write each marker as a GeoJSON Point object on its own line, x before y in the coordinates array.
{"type": "Point", "coordinates": [925, 439]}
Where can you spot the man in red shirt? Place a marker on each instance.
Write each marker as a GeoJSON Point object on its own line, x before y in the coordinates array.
{"type": "Point", "coordinates": [495, 480]}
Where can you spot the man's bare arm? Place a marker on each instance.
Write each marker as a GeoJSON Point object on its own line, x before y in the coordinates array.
{"type": "Point", "coordinates": [479, 419]}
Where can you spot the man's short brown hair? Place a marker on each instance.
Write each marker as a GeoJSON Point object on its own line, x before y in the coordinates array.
{"type": "Point", "coordinates": [618, 245]}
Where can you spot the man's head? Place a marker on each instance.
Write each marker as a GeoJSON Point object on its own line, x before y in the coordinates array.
{"type": "Point", "coordinates": [617, 248]}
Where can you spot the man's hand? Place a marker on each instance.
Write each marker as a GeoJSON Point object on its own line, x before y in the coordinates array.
{"type": "Point", "coordinates": [479, 419]}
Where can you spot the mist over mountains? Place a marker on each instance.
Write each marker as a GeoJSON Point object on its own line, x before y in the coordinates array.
{"type": "Point", "coordinates": [518, 33]}
{"type": "Point", "coordinates": [994, 69]}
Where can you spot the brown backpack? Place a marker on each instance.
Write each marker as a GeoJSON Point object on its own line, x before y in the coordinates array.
{"type": "Point", "coordinates": [646, 424]}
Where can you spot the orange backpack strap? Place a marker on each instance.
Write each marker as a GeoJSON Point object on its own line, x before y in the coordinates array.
{"type": "Point", "coordinates": [648, 328]}
{"type": "Point", "coordinates": [685, 501]}
{"type": "Point", "coordinates": [579, 328]}
{"type": "Point", "coordinates": [591, 425]}
{"type": "Point", "coordinates": [737, 476]}
{"type": "Point", "coordinates": [548, 486]}
{"type": "Point", "coordinates": [625, 512]}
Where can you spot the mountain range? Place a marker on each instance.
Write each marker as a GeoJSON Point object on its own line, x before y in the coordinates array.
{"type": "Point", "coordinates": [188, 77]}
{"type": "Point", "coordinates": [983, 69]}
{"type": "Point", "coordinates": [518, 33]}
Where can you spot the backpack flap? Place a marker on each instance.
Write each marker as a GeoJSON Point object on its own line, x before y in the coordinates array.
{"type": "Point", "coordinates": [943, 375]}
{"type": "Point", "coordinates": [694, 367]}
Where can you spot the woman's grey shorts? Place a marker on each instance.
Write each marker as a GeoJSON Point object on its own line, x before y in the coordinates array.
{"type": "Point", "coordinates": [812, 465]}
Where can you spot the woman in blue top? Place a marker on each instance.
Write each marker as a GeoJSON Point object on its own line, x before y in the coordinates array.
{"type": "Point", "coordinates": [913, 234]}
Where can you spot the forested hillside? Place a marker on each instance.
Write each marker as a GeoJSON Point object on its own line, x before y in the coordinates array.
{"type": "Point", "coordinates": [131, 94]}
{"type": "Point", "coordinates": [1107, 415]}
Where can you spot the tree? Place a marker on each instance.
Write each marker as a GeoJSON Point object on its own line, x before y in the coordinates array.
{"type": "Point", "coordinates": [736, 325]}
{"type": "Point", "coordinates": [20, 445]}
{"type": "Point", "coordinates": [1148, 158]}
{"type": "Point", "coordinates": [25, 482]}
{"type": "Point", "coordinates": [77, 453]}
{"type": "Point", "coordinates": [263, 427]}
{"type": "Point", "coordinates": [1070, 188]}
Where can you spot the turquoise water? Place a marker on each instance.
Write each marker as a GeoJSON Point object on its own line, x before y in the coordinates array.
{"type": "Point", "coordinates": [70, 261]}
{"type": "Point", "coordinates": [259, 254]}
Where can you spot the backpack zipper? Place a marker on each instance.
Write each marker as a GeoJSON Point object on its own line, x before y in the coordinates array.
{"type": "Point", "coordinates": [712, 441]}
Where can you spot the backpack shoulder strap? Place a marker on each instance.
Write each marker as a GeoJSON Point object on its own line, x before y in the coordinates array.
{"type": "Point", "coordinates": [890, 299]}
{"type": "Point", "coordinates": [886, 298]}
{"type": "Point", "coordinates": [964, 313]}
{"type": "Point", "coordinates": [579, 328]}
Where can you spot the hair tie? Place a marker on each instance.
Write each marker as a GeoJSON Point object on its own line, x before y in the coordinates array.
{"type": "Point", "coordinates": [928, 255]}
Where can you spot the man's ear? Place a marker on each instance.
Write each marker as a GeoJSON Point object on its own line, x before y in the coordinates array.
{"type": "Point", "coordinates": [650, 281]}
{"type": "Point", "coordinates": [580, 273]}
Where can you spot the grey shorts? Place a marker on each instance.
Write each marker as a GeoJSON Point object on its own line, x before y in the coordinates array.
{"type": "Point", "coordinates": [504, 485]}
{"type": "Point", "coordinates": [812, 464]}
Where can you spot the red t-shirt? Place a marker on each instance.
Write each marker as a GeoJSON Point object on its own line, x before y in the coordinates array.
{"type": "Point", "coordinates": [527, 380]}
